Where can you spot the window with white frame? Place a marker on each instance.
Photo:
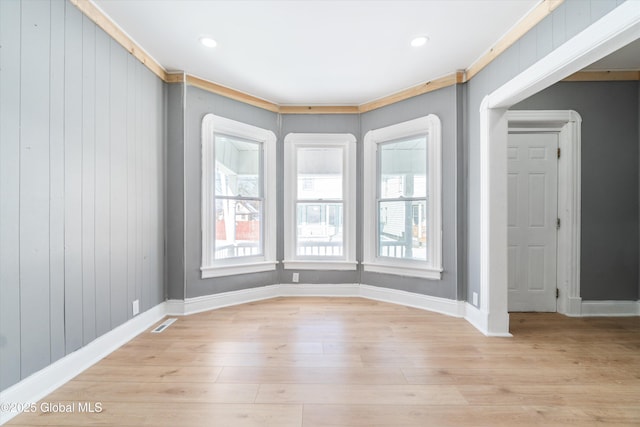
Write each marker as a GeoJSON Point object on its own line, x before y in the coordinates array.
{"type": "Point", "coordinates": [238, 198]}
{"type": "Point", "coordinates": [319, 214]}
{"type": "Point", "coordinates": [402, 190]}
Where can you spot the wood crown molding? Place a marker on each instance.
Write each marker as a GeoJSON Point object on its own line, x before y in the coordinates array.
{"type": "Point", "coordinates": [175, 77]}
{"type": "Point", "coordinates": [230, 93]}
{"type": "Point", "coordinates": [319, 109]}
{"type": "Point", "coordinates": [430, 86]}
{"type": "Point", "coordinates": [541, 11]}
{"type": "Point", "coordinates": [603, 76]}
{"type": "Point", "coordinates": [103, 21]}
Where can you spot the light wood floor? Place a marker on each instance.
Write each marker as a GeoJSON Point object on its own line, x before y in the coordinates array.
{"type": "Point", "coordinates": [355, 362]}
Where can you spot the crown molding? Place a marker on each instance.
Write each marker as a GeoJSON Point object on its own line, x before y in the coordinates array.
{"type": "Point", "coordinates": [112, 29]}
{"type": "Point", "coordinates": [231, 93]}
{"type": "Point", "coordinates": [319, 109]}
{"type": "Point", "coordinates": [430, 86]}
{"type": "Point", "coordinates": [537, 14]}
{"type": "Point", "coordinates": [603, 76]}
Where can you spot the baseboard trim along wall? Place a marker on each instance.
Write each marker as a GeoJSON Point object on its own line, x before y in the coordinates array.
{"type": "Point", "coordinates": [480, 320]}
{"type": "Point", "coordinates": [212, 302]}
{"type": "Point", "coordinates": [43, 382]}
{"type": "Point", "coordinates": [610, 308]}
{"type": "Point", "coordinates": [38, 385]}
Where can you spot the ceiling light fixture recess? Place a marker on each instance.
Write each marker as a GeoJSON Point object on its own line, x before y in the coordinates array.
{"type": "Point", "coordinates": [208, 42]}
{"type": "Point", "coordinates": [419, 41]}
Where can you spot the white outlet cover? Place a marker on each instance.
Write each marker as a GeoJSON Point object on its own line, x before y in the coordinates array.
{"type": "Point", "coordinates": [475, 299]}
{"type": "Point", "coordinates": [136, 307]}
{"type": "Point", "coordinates": [296, 277]}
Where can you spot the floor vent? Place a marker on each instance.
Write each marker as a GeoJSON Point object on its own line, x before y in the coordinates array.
{"type": "Point", "coordinates": [164, 325]}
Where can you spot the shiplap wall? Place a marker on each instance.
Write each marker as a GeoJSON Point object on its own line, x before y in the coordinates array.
{"type": "Point", "coordinates": [81, 184]}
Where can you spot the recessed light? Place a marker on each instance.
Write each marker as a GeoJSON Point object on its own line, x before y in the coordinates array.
{"type": "Point", "coordinates": [208, 42]}
{"type": "Point", "coordinates": [419, 41]}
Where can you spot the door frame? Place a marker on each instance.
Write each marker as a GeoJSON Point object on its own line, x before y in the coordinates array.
{"type": "Point", "coordinates": [567, 124]}
{"type": "Point", "coordinates": [618, 28]}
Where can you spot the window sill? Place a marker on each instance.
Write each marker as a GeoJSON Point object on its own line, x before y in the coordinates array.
{"type": "Point", "coordinates": [230, 270]}
{"type": "Point", "coordinates": [319, 265]}
{"type": "Point", "coordinates": [404, 270]}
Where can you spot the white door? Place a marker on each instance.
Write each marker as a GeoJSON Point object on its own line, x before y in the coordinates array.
{"type": "Point", "coordinates": [532, 218]}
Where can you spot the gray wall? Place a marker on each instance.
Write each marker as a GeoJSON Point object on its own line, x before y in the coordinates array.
{"type": "Point", "coordinates": [81, 185]}
{"type": "Point", "coordinates": [175, 278]}
{"type": "Point", "coordinates": [565, 22]}
{"type": "Point", "coordinates": [443, 103]}
{"type": "Point", "coordinates": [198, 104]}
{"type": "Point", "coordinates": [609, 235]}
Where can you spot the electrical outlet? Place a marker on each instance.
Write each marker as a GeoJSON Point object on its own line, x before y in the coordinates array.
{"type": "Point", "coordinates": [136, 307]}
{"type": "Point", "coordinates": [296, 277]}
{"type": "Point", "coordinates": [475, 299]}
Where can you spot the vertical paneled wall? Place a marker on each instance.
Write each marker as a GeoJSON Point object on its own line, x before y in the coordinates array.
{"type": "Point", "coordinates": [81, 184]}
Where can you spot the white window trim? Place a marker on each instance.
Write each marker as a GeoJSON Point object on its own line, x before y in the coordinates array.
{"type": "Point", "coordinates": [432, 268]}
{"type": "Point", "coordinates": [346, 141]}
{"type": "Point", "coordinates": [212, 124]}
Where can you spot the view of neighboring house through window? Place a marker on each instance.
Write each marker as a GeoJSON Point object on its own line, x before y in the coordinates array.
{"type": "Point", "coordinates": [319, 205]}
{"type": "Point", "coordinates": [402, 198]}
{"type": "Point", "coordinates": [319, 202]}
{"type": "Point", "coordinates": [238, 196]}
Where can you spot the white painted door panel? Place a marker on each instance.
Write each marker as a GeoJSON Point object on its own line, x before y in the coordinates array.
{"type": "Point", "coordinates": [532, 184]}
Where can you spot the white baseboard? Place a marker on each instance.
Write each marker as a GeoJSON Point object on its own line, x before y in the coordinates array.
{"type": "Point", "coordinates": [610, 308]}
{"type": "Point", "coordinates": [318, 290]}
{"type": "Point", "coordinates": [224, 299]}
{"type": "Point", "coordinates": [573, 307]}
{"type": "Point", "coordinates": [425, 302]}
{"type": "Point", "coordinates": [45, 381]}
{"type": "Point", "coordinates": [477, 318]}
{"type": "Point", "coordinates": [480, 320]}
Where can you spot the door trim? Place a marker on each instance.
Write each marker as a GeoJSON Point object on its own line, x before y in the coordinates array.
{"type": "Point", "coordinates": [567, 124]}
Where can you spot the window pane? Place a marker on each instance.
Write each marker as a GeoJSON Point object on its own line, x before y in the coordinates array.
{"type": "Point", "coordinates": [402, 229]}
{"type": "Point", "coordinates": [403, 168]}
{"type": "Point", "coordinates": [319, 229]}
{"type": "Point", "coordinates": [238, 228]}
{"type": "Point", "coordinates": [237, 167]}
{"type": "Point", "coordinates": [319, 173]}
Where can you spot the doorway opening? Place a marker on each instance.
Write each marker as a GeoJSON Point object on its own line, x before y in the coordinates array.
{"type": "Point", "coordinates": [613, 31]}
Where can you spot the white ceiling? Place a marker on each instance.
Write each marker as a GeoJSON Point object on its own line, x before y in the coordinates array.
{"type": "Point", "coordinates": [316, 52]}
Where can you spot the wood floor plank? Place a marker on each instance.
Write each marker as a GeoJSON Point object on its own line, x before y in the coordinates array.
{"type": "Point", "coordinates": [326, 375]}
{"type": "Point", "coordinates": [461, 416]}
{"type": "Point", "coordinates": [360, 394]}
{"type": "Point", "coordinates": [150, 373]}
{"type": "Point", "coordinates": [156, 392]}
{"type": "Point", "coordinates": [233, 359]}
{"type": "Point", "coordinates": [498, 376]}
{"type": "Point", "coordinates": [355, 362]}
{"type": "Point", "coordinates": [183, 414]}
